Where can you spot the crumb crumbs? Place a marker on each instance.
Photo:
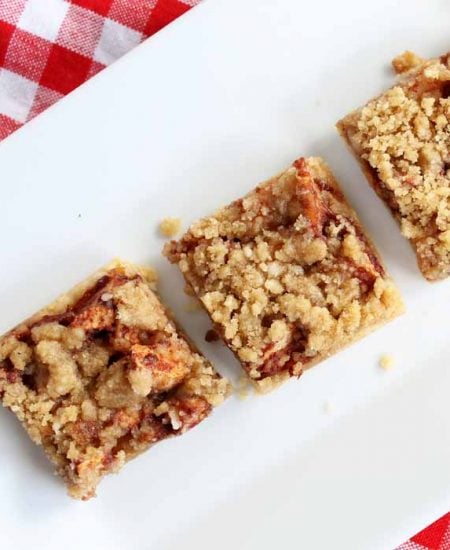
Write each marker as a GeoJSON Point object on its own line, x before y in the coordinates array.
{"type": "Point", "coordinates": [386, 362]}
{"type": "Point", "coordinates": [328, 407]}
{"type": "Point", "coordinates": [406, 62]}
{"type": "Point", "coordinates": [169, 227]}
{"type": "Point", "coordinates": [211, 336]}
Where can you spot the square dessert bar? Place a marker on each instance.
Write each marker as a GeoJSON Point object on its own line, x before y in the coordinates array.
{"type": "Point", "coordinates": [101, 374]}
{"type": "Point", "coordinates": [287, 273]}
{"type": "Point", "coordinates": [402, 142]}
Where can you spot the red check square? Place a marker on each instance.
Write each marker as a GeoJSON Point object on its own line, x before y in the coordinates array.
{"type": "Point", "coordinates": [164, 12]}
{"type": "Point", "coordinates": [6, 31]}
{"type": "Point", "coordinates": [132, 13]}
{"type": "Point", "coordinates": [27, 54]}
{"type": "Point", "coordinates": [43, 99]}
{"type": "Point", "coordinates": [65, 70]}
{"type": "Point", "coordinates": [7, 126]}
{"type": "Point", "coordinates": [434, 535]}
{"type": "Point", "coordinates": [80, 31]}
{"type": "Point", "coordinates": [95, 68]}
{"type": "Point", "coordinates": [11, 10]}
{"type": "Point", "coordinates": [101, 7]}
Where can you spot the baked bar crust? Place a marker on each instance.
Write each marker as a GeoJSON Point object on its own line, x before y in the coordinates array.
{"type": "Point", "coordinates": [103, 373]}
{"type": "Point", "coordinates": [402, 141]}
{"type": "Point", "coordinates": [287, 274]}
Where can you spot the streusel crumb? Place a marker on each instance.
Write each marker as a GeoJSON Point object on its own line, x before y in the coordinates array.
{"type": "Point", "coordinates": [286, 274]}
{"type": "Point", "coordinates": [402, 141]}
{"type": "Point", "coordinates": [170, 227]}
{"type": "Point", "coordinates": [406, 62]}
{"type": "Point", "coordinates": [101, 374]}
{"type": "Point", "coordinates": [387, 362]}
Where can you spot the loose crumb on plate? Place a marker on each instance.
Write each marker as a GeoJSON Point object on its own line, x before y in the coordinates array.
{"type": "Point", "coordinates": [169, 227]}
{"type": "Point", "coordinates": [328, 407]}
{"type": "Point", "coordinates": [406, 61]}
{"type": "Point", "coordinates": [211, 336]}
{"type": "Point", "coordinates": [386, 362]}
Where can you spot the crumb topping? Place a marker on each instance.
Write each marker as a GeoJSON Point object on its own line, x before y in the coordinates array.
{"type": "Point", "coordinates": [406, 62]}
{"type": "Point", "coordinates": [169, 227]}
{"type": "Point", "coordinates": [387, 362]}
{"type": "Point", "coordinates": [404, 137]}
{"type": "Point", "coordinates": [286, 273]}
{"type": "Point", "coordinates": [90, 382]}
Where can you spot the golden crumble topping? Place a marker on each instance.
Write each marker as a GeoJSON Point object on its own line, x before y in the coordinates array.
{"type": "Point", "coordinates": [402, 141]}
{"type": "Point", "coordinates": [387, 362]}
{"type": "Point", "coordinates": [169, 227]}
{"type": "Point", "coordinates": [102, 374]}
{"type": "Point", "coordinates": [406, 62]}
{"type": "Point", "coordinates": [286, 273]}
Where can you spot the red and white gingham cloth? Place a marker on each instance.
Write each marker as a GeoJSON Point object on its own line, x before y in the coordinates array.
{"type": "Point", "coordinates": [434, 537]}
{"type": "Point", "coordinates": [49, 47]}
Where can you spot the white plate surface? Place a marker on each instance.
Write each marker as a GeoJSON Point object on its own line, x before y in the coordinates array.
{"type": "Point", "coordinates": [223, 98]}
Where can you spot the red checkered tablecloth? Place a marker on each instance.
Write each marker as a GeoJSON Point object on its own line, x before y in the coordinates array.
{"type": "Point", "coordinates": [434, 537]}
{"type": "Point", "coordinates": [50, 47]}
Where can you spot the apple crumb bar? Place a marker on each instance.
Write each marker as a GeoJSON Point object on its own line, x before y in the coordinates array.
{"type": "Point", "coordinates": [103, 373]}
{"type": "Point", "coordinates": [287, 274]}
{"type": "Point", "coordinates": [402, 142]}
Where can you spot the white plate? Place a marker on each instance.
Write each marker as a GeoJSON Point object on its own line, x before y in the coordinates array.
{"type": "Point", "coordinates": [190, 120]}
